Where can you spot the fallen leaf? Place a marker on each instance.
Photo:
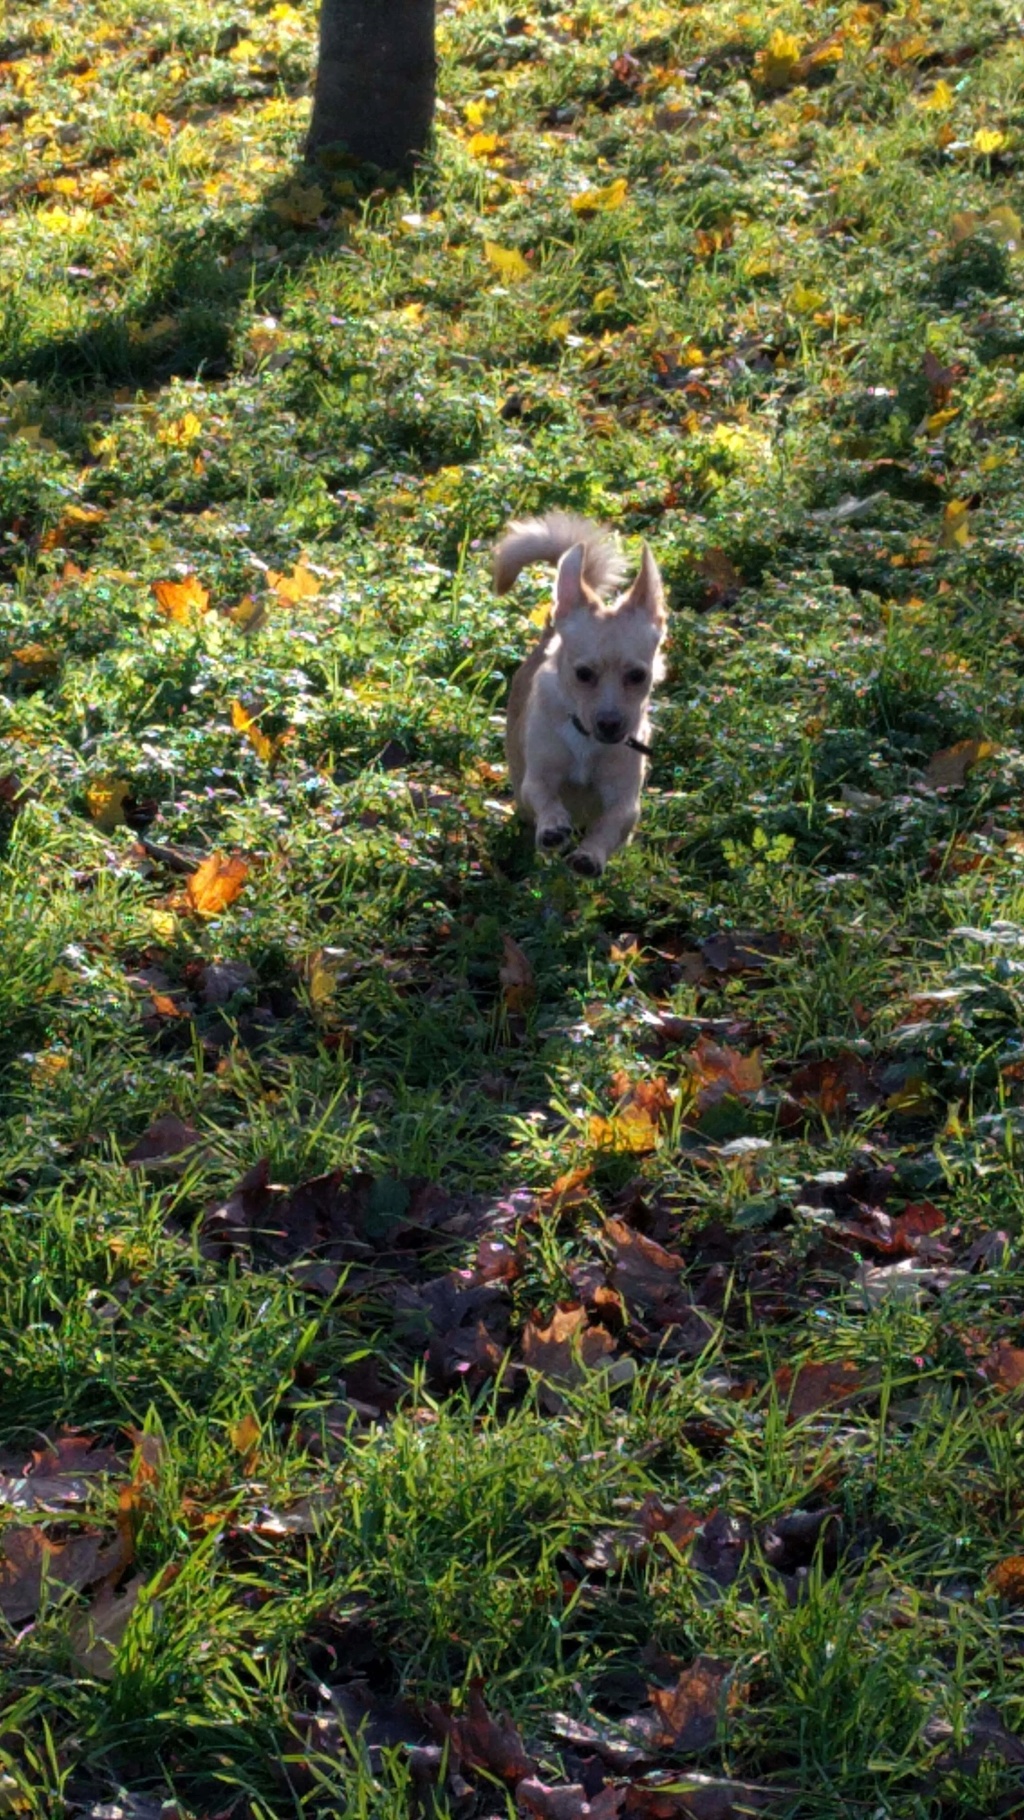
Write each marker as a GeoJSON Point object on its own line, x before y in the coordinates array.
{"type": "Point", "coordinates": [105, 799]}
{"type": "Point", "coordinates": [483, 145]}
{"type": "Point", "coordinates": [988, 140]}
{"type": "Point", "coordinates": [32, 663]}
{"type": "Point", "coordinates": [216, 884]}
{"type": "Point", "coordinates": [96, 1636]}
{"type": "Point", "coordinates": [947, 770]}
{"type": "Point", "coordinates": [1004, 1366]}
{"type": "Point", "coordinates": [940, 380]}
{"type": "Point", "coordinates": [940, 99]}
{"type": "Point", "coordinates": [518, 982]}
{"type": "Point", "coordinates": [719, 1072]}
{"type": "Point", "coordinates": [775, 64]}
{"type": "Point", "coordinates": [601, 201]}
{"type": "Point", "coordinates": [300, 205]}
{"type": "Point", "coordinates": [61, 1474]}
{"type": "Point", "coordinates": [509, 264]}
{"type": "Point", "coordinates": [301, 584]}
{"type": "Point", "coordinates": [167, 1142]}
{"type": "Point", "coordinates": [248, 723]}
{"type": "Point", "coordinates": [568, 1800]}
{"type": "Point", "coordinates": [181, 432]}
{"type": "Point", "coordinates": [184, 602]}
{"type": "Point", "coordinates": [813, 1387]}
{"type": "Point", "coordinates": [563, 1352]}
{"type": "Point", "coordinates": [245, 1434]}
{"type": "Point", "coordinates": [480, 1741]}
{"type": "Point", "coordinates": [685, 1717]}
{"type": "Point", "coordinates": [956, 534]}
{"type": "Point", "coordinates": [1006, 1579]}
{"type": "Point", "coordinates": [610, 1549]}
{"type": "Point", "coordinates": [644, 1273]}
{"type": "Point", "coordinates": [692, 1796]}
{"type": "Point", "coordinates": [32, 1561]}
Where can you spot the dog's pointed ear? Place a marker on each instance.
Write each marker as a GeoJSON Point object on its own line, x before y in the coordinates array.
{"type": "Point", "coordinates": [647, 595]}
{"type": "Point", "coordinates": [569, 589]}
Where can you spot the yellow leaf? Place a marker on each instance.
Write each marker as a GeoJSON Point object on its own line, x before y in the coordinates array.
{"type": "Point", "coordinates": [775, 64]}
{"type": "Point", "coordinates": [216, 884]}
{"type": "Point", "coordinates": [163, 923]}
{"type": "Point", "coordinates": [507, 262]}
{"type": "Point", "coordinates": [475, 113]}
{"type": "Point", "coordinates": [243, 722]}
{"type": "Point", "coordinates": [540, 616]}
{"type": "Point", "coordinates": [632, 1130]}
{"type": "Point", "coordinates": [593, 201]}
{"type": "Point", "coordinates": [939, 419]}
{"type": "Point", "coordinates": [300, 205]}
{"type": "Point", "coordinates": [105, 800]}
{"type": "Point", "coordinates": [182, 601]}
{"type": "Point", "coordinates": [49, 1065]}
{"type": "Point", "coordinates": [301, 584]}
{"type": "Point", "coordinates": [163, 126]}
{"type": "Point", "coordinates": [249, 614]}
{"type": "Point", "coordinates": [940, 99]}
{"type": "Point", "coordinates": [244, 1434]}
{"type": "Point", "coordinates": [60, 981]}
{"type": "Point", "coordinates": [604, 299]}
{"type": "Point", "coordinates": [483, 145]}
{"type": "Point", "coordinates": [955, 525]}
{"type": "Point", "coordinates": [1005, 224]}
{"type": "Point", "coordinates": [181, 432]}
{"type": "Point", "coordinates": [321, 977]}
{"type": "Point", "coordinates": [158, 330]}
{"type": "Point", "coordinates": [804, 299]}
{"type": "Point", "coordinates": [988, 140]}
{"type": "Point", "coordinates": [244, 50]}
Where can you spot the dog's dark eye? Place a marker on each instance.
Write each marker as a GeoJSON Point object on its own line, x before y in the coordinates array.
{"type": "Point", "coordinates": [636, 676]}
{"type": "Point", "coordinates": [585, 674]}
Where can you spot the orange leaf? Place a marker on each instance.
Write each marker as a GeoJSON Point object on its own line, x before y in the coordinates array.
{"type": "Point", "coordinates": [182, 601]}
{"type": "Point", "coordinates": [301, 584]}
{"type": "Point", "coordinates": [1007, 1579]}
{"type": "Point", "coordinates": [245, 1434]}
{"type": "Point", "coordinates": [216, 884]}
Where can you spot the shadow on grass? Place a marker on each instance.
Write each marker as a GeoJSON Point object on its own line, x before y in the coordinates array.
{"type": "Point", "coordinates": [182, 326]}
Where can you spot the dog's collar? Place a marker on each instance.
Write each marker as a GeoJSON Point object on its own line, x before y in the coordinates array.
{"type": "Point", "coordinates": [635, 745]}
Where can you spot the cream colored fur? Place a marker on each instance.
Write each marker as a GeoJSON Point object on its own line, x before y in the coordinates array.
{"type": "Point", "coordinates": [597, 662]}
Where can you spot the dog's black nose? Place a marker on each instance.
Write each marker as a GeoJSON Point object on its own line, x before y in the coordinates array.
{"type": "Point", "coordinates": [609, 727]}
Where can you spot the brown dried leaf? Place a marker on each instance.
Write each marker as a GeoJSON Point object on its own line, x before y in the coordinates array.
{"type": "Point", "coordinates": [947, 770]}
{"type": "Point", "coordinates": [817, 1386]}
{"type": "Point", "coordinates": [481, 1742]}
{"type": "Point", "coordinates": [1007, 1579]}
{"type": "Point", "coordinates": [564, 1351]}
{"type": "Point", "coordinates": [685, 1717]}
{"type": "Point", "coordinates": [567, 1800]}
{"type": "Point", "coordinates": [97, 1635]}
{"type": "Point", "coordinates": [1004, 1366]}
{"type": "Point", "coordinates": [31, 1560]}
{"type": "Point", "coordinates": [164, 1145]}
{"type": "Point", "coordinates": [644, 1273]}
{"type": "Point", "coordinates": [518, 982]}
{"type": "Point", "coordinates": [719, 1073]}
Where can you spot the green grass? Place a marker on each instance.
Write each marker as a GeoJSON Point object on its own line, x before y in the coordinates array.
{"type": "Point", "coordinates": [214, 363]}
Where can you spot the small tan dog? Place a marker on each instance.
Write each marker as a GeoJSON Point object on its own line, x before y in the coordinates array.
{"type": "Point", "coordinates": [577, 710]}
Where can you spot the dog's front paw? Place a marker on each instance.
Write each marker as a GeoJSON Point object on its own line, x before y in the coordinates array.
{"type": "Point", "coordinates": [585, 864]}
{"type": "Point", "coordinates": [554, 837]}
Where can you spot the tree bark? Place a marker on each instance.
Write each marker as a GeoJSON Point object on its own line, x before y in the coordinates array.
{"type": "Point", "coordinates": [375, 81]}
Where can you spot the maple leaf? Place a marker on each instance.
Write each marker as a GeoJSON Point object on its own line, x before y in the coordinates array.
{"type": "Point", "coordinates": [105, 800]}
{"type": "Point", "coordinates": [245, 1435]}
{"type": "Point", "coordinates": [300, 205]}
{"type": "Point", "coordinates": [774, 66]}
{"type": "Point", "coordinates": [685, 1717]}
{"type": "Point", "coordinates": [183, 602]}
{"type": "Point", "coordinates": [31, 1560]}
{"type": "Point", "coordinates": [181, 432]}
{"type": "Point", "coordinates": [216, 884]}
{"type": "Point", "coordinates": [301, 584]}
{"type": "Point", "coordinates": [480, 1741]}
{"type": "Point", "coordinates": [248, 723]}
{"type": "Point", "coordinates": [1004, 1366]}
{"type": "Point", "coordinates": [719, 1072]}
{"type": "Point", "coordinates": [814, 1387]}
{"type": "Point", "coordinates": [507, 262]}
{"type": "Point", "coordinates": [164, 1145]}
{"type": "Point", "coordinates": [564, 1351]}
{"type": "Point", "coordinates": [601, 201]}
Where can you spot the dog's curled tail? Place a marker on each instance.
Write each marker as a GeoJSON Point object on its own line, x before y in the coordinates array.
{"type": "Point", "coordinates": [547, 539]}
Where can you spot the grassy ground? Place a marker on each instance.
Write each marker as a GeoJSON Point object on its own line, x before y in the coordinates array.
{"type": "Point", "coordinates": [432, 1287]}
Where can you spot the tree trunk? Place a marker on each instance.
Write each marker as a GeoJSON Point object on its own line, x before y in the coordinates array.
{"type": "Point", "coordinates": [375, 81]}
